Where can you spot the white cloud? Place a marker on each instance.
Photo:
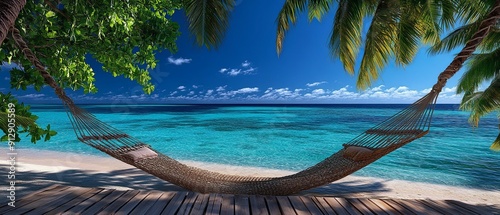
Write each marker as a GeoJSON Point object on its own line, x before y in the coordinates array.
{"type": "Point", "coordinates": [234, 72]}
{"type": "Point", "coordinates": [245, 69]}
{"type": "Point", "coordinates": [209, 92]}
{"type": "Point", "coordinates": [173, 93]}
{"type": "Point", "coordinates": [318, 92]}
{"type": "Point", "coordinates": [248, 71]}
{"type": "Point", "coordinates": [31, 96]}
{"type": "Point", "coordinates": [191, 93]}
{"type": "Point", "coordinates": [178, 61]}
{"type": "Point", "coordinates": [221, 88]}
{"type": "Point", "coordinates": [195, 87]}
{"type": "Point", "coordinates": [315, 84]}
{"type": "Point", "coordinates": [245, 64]}
{"type": "Point", "coordinates": [181, 88]}
{"type": "Point", "coordinates": [246, 90]}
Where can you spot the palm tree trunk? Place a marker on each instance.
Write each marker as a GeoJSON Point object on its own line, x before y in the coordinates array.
{"type": "Point", "coordinates": [9, 10]}
{"type": "Point", "coordinates": [457, 63]}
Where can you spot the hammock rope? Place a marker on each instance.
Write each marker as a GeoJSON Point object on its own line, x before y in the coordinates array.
{"type": "Point", "coordinates": [409, 124]}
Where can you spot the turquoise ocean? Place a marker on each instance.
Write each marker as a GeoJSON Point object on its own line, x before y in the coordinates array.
{"type": "Point", "coordinates": [293, 137]}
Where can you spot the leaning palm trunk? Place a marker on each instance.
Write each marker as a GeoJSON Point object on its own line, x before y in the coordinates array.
{"type": "Point", "coordinates": [9, 10]}
{"type": "Point", "coordinates": [404, 127]}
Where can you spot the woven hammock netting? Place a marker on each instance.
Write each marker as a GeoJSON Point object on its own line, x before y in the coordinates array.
{"type": "Point", "coordinates": [409, 124]}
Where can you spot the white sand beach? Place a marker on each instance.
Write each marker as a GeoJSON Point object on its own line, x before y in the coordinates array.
{"type": "Point", "coordinates": [39, 169]}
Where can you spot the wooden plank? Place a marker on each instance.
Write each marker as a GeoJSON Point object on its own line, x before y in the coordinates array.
{"type": "Point", "coordinates": [64, 199]}
{"type": "Point", "coordinates": [76, 201]}
{"type": "Point", "coordinates": [416, 207]}
{"type": "Point", "coordinates": [469, 208]}
{"type": "Point", "coordinates": [285, 205]}
{"type": "Point", "coordinates": [388, 209]}
{"type": "Point", "coordinates": [310, 205]}
{"type": "Point", "coordinates": [188, 203]}
{"type": "Point", "coordinates": [146, 203]}
{"type": "Point", "coordinates": [49, 191]}
{"type": "Point", "coordinates": [214, 204]}
{"type": "Point", "coordinates": [117, 204]}
{"type": "Point", "coordinates": [298, 205]}
{"type": "Point", "coordinates": [442, 207]}
{"type": "Point", "coordinates": [78, 209]}
{"type": "Point", "coordinates": [401, 208]}
{"type": "Point", "coordinates": [323, 206]}
{"type": "Point", "coordinates": [258, 205]}
{"type": "Point", "coordinates": [241, 205]}
{"type": "Point", "coordinates": [175, 203]}
{"type": "Point", "coordinates": [373, 207]}
{"type": "Point", "coordinates": [360, 206]}
{"type": "Point", "coordinates": [342, 206]}
{"type": "Point", "coordinates": [132, 203]}
{"type": "Point", "coordinates": [44, 200]}
{"type": "Point", "coordinates": [227, 204]}
{"type": "Point", "coordinates": [162, 202]}
{"type": "Point", "coordinates": [200, 204]}
{"type": "Point", "coordinates": [272, 205]}
{"type": "Point", "coordinates": [104, 202]}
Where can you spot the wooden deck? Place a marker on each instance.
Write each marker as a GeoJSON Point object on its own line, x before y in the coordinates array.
{"type": "Point", "coordinates": [60, 199]}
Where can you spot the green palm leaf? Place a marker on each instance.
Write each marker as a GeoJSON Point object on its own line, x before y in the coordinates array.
{"type": "Point", "coordinates": [22, 121]}
{"type": "Point", "coordinates": [345, 39]}
{"type": "Point", "coordinates": [208, 20]}
{"type": "Point", "coordinates": [318, 8]}
{"type": "Point", "coordinates": [379, 48]}
{"type": "Point", "coordinates": [409, 32]}
{"type": "Point", "coordinates": [482, 103]}
{"type": "Point", "coordinates": [461, 35]}
{"type": "Point", "coordinates": [480, 68]}
{"type": "Point", "coordinates": [458, 37]}
{"type": "Point", "coordinates": [289, 13]}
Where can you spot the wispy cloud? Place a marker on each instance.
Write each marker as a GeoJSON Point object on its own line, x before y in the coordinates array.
{"type": "Point", "coordinates": [315, 83]}
{"type": "Point", "coordinates": [178, 61]}
{"type": "Point", "coordinates": [181, 88]}
{"type": "Point", "coordinates": [245, 69]}
{"type": "Point", "coordinates": [245, 64]}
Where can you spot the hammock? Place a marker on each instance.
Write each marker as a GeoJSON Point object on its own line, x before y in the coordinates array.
{"type": "Point", "coordinates": [404, 127]}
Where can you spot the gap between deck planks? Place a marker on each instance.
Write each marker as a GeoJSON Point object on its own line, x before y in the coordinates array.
{"type": "Point", "coordinates": [58, 199]}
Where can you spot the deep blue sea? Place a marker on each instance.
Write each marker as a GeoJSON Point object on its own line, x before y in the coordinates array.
{"type": "Point", "coordinates": [293, 137]}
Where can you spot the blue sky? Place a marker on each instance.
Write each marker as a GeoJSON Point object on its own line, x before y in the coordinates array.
{"type": "Point", "coordinates": [246, 69]}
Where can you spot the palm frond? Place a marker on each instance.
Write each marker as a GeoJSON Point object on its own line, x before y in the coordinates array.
{"type": "Point", "coordinates": [458, 37]}
{"type": "Point", "coordinates": [288, 15]}
{"type": "Point", "coordinates": [22, 121]}
{"type": "Point", "coordinates": [208, 20]}
{"type": "Point", "coordinates": [409, 32]}
{"type": "Point", "coordinates": [345, 39]}
{"type": "Point", "coordinates": [491, 41]}
{"type": "Point", "coordinates": [472, 10]}
{"type": "Point", "coordinates": [482, 103]}
{"type": "Point", "coordinates": [378, 47]}
{"type": "Point", "coordinates": [318, 8]}
{"type": "Point", "coordinates": [480, 68]}
{"type": "Point", "coordinates": [447, 16]}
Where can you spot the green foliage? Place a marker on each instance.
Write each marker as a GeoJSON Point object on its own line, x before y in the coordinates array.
{"type": "Point", "coordinates": [121, 35]}
{"type": "Point", "coordinates": [482, 67]}
{"type": "Point", "coordinates": [397, 29]}
{"type": "Point", "coordinates": [208, 20]}
{"type": "Point", "coordinates": [25, 122]}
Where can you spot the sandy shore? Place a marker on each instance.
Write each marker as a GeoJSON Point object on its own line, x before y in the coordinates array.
{"type": "Point", "coordinates": [39, 169]}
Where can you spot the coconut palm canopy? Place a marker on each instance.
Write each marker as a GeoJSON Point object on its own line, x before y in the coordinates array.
{"type": "Point", "coordinates": [385, 23]}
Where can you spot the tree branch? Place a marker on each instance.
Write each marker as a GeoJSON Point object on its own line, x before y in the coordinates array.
{"type": "Point", "coordinates": [53, 7]}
